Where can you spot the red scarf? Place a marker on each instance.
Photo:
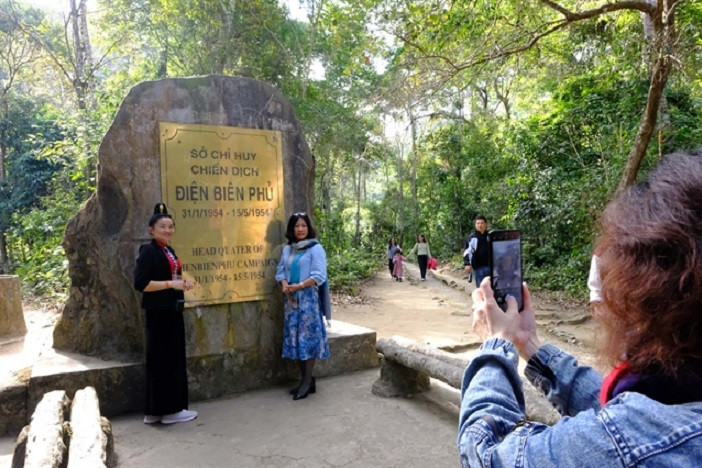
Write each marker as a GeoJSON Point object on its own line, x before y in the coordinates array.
{"type": "Point", "coordinates": [611, 380]}
{"type": "Point", "coordinates": [684, 386]}
{"type": "Point", "coordinates": [172, 259]}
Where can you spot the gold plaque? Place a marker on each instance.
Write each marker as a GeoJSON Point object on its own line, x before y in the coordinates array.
{"type": "Point", "coordinates": [224, 189]}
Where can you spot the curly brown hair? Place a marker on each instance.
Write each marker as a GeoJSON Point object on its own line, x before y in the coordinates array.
{"type": "Point", "coordinates": [651, 269]}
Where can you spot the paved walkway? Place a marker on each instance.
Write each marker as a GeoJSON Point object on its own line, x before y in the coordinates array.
{"type": "Point", "coordinates": [342, 425]}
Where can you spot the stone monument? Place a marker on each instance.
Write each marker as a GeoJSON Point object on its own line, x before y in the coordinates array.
{"type": "Point", "coordinates": [230, 160]}
{"type": "Point", "coordinates": [196, 144]}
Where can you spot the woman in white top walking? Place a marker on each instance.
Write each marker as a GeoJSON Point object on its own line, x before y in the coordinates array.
{"type": "Point", "coordinates": [421, 249]}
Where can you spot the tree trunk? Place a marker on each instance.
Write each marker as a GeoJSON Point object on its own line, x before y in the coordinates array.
{"type": "Point", "coordinates": [664, 41]}
{"type": "Point", "coordinates": [313, 10]}
{"type": "Point", "coordinates": [82, 51]}
{"type": "Point", "coordinates": [401, 193]}
{"type": "Point", "coordinates": [413, 176]}
{"type": "Point", "coordinates": [357, 232]}
{"type": "Point", "coordinates": [3, 153]}
{"type": "Point", "coordinates": [4, 260]}
{"type": "Point", "coordinates": [503, 95]}
{"type": "Point", "coordinates": [484, 96]}
{"type": "Point", "coordinates": [648, 124]}
{"type": "Point", "coordinates": [225, 32]}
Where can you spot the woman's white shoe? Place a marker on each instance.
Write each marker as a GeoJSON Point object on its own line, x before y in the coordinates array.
{"type": "Point", "coordinates": [180, 416]}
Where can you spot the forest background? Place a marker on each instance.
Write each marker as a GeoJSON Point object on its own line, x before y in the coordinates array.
{"type": "Point", "coordinates": [420, 114]}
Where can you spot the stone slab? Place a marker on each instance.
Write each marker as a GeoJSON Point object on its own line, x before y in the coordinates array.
{"type": "Point", "coordinates": [89, 444]}
{"type": "Point", "coordinates": [46, 441]}
{"type": "Point", "coordinates": [352, 348]}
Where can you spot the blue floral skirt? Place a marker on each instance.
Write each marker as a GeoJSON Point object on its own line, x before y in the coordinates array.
{"type": "Point", "coordinates": [304, 334]}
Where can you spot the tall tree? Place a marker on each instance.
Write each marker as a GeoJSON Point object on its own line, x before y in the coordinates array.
{"type": "Point", "coordinates": [17, 54]}
{"type": "Point", "coordinates": [68, 47]}
{"type": "Point", "coordinates": [463, 37]}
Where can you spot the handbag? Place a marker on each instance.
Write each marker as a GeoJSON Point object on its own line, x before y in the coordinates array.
{"type": "Point", "coordinates": [324, 300]}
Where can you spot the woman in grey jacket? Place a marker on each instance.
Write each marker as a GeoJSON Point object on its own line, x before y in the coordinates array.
{"type": "Point", "coordinates": [648, 410]}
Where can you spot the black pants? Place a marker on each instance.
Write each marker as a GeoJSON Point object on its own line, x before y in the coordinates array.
{"type": "Point", "coordinates": [423, 260]}
{"type": "Point", "coordinates": [390, 265]}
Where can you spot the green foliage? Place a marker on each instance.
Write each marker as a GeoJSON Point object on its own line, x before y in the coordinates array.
{"type": "Point", "coordinates": [27, 176]}
{"type": "Point", "coordinates": [535, 141]}
{"type": "Point", "coordinates": [36, 241]}
{"type": "Point", "coordinates": [67, 150]}
{"type": "Point", "coordinates": [348, 268]}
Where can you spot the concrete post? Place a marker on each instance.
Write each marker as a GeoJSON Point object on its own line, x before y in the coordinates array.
{"type": "Point", "coordinates": [11, 316]}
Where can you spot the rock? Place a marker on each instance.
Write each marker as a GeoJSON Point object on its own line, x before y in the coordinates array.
{"type": "Point", "coordinates": [89, 443]}
{"type": "Point", "coordinates": [352, 348]}
{"type": "Point", "coordinates": [11, 316]}
{"type": "Point", "coordinates": [407, 365]}
{"type": "Point", "coordinates": [538, 408]}
{"type": "Point", "coordinates": [106, 427]}
{"type": "Point", "coordinates": [397, 380]}
{"type": "Point", "coordinates": [102, 316]}
{"type": "Point", "coordinates": [45, 442]}
{"type": "Point", "coordinates": [13, 409]}
{"type": "Point", "coordinates": [20, 448]}
{"type": "Point", "coordinates": [422, 363]}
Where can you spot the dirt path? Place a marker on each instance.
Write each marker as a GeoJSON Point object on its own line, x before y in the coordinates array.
{"type": "Point", "coordinates": [437, 312]}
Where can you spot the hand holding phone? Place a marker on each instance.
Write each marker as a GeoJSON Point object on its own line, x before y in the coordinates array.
{"type": "Point", "coordinates": [518, 327]}
{"type": "Point", "coordinates": [506, 267]}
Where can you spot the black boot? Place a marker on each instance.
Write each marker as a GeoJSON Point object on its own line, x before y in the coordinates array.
{"type": "Point", "coordinates": [301, 366]}
{"type": "Point", "coordinates": [308, 384]}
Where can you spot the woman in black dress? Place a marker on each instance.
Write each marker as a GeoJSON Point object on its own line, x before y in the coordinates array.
{"type": "Point", "coordinates": [158, 275]}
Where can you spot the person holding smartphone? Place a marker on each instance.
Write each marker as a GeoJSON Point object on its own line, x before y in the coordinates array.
{"type": "Point", "coordinates": [648, 410]}
{"type": "Point", "coordinates": [158, 275]}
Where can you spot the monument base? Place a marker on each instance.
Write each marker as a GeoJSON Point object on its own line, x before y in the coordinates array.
{"type": "Point", "coordinates": [120, 385]}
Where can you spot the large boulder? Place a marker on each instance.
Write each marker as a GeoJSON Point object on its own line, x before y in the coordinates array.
{"type": "Point", "coordinates": [102, 316]}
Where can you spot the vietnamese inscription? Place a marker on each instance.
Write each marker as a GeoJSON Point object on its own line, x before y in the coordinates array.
{"type": "Point", "coordinates": [224, 187]}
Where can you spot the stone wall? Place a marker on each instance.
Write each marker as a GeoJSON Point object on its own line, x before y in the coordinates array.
{"type": "Point", "coordinates": [103, 316]}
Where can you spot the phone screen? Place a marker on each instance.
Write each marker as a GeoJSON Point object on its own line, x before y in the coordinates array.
{"type": "Point", "coordinates": [506, 267]}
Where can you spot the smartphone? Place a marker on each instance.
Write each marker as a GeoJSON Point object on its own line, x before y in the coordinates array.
{"type": "Point", "coordinates": [506, 266]}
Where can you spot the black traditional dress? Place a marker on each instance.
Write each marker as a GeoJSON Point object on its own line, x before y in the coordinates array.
{"type": "Point", "coordinates": [166, 377]}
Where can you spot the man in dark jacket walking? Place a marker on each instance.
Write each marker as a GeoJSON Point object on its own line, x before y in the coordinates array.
{"type": "Point", "coordinates": [476, 253]}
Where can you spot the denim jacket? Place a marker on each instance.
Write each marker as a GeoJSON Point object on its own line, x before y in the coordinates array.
{"type": "Point", "coordinates": [630, 430]}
